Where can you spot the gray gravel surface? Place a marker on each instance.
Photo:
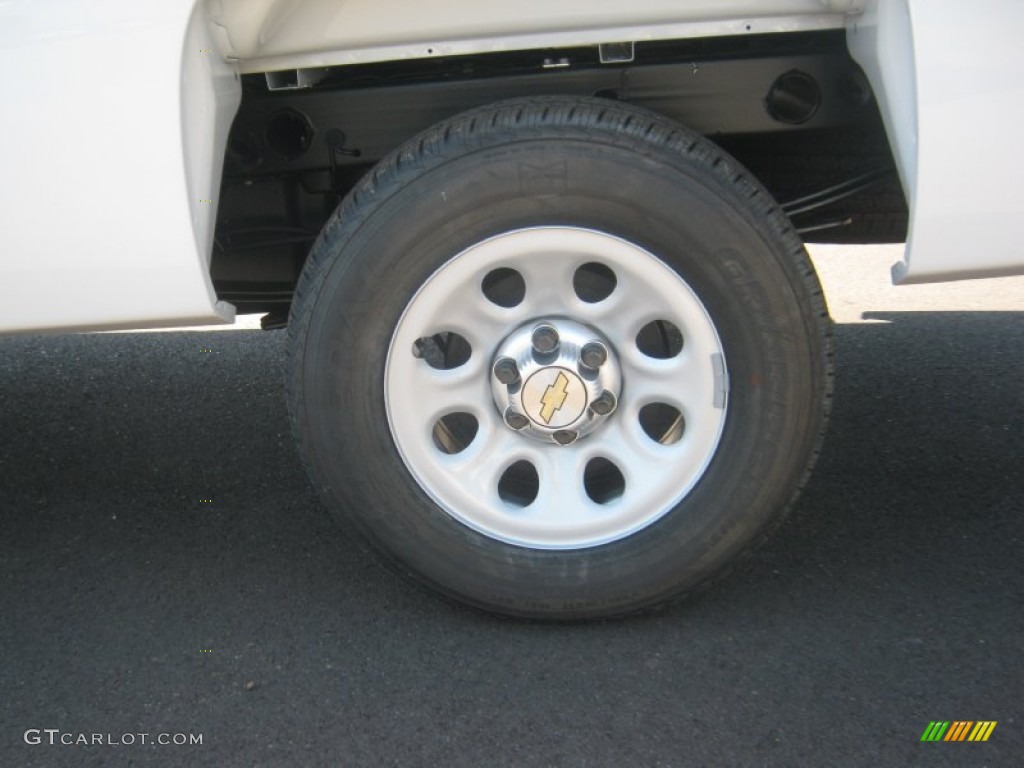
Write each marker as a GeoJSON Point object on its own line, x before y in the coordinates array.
{"type": "Point", "coordinates": [130, 604]}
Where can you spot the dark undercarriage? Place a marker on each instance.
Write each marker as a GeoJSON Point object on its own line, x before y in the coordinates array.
{"type": "Point", "coordinates": [793, 108]}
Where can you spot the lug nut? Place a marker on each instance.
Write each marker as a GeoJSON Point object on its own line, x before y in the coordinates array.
{"type": "Point", "coordinates": [604, 404]}
{"type": "Point", "coordinates": [515, 420]}
{"type": "Point", "coordinates": [545, 339]}
{"type": "Point", "coordinates": [505, 370]}
{"type": "Point", "coordinates": [593, 355]}
{"type": "Point", "coordinates": [565, 436]}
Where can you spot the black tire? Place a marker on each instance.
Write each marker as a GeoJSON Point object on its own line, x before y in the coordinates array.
{"type": "Point", "coordinates": [617, 169]}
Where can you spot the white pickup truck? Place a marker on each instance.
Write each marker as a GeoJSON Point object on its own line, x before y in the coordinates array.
{"type": "Point", "coordinates": [554, 340]}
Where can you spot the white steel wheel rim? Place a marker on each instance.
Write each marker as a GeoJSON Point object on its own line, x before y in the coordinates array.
{"type": "Point", "coordinates": [564, 514]}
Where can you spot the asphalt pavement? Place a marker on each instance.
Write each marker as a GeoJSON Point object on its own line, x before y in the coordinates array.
{"type": "Point", "coordinates": [167, 570]}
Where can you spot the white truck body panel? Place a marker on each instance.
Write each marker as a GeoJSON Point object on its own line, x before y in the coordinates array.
{"type": "Point", "coordinates": [265, 35]}
{"type": "Point", "coordinates": [114, 127]}
{"type": "Point", "coordinates": [116, 117]}
{"type": "Point", "coordinates": [947, 77]}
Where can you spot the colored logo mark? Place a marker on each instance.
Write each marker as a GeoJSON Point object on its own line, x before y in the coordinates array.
{"type": "Point", "coordinates": [554, 398]}
{"type": "Point", "coordinates": [958, 730]}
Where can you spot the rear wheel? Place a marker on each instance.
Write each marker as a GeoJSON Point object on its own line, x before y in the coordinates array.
{"type": "Point", "coordinates": [559, 358]}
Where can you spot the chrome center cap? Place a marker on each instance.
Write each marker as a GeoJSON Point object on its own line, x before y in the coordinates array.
{"type": "Point", "coordinates": [555, 380]}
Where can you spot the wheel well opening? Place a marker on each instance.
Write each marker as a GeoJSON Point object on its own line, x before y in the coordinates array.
{"type": "Point", "coordinates": [793, 109]}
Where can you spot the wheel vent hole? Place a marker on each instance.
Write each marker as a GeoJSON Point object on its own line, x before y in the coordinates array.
{"type": "Point", "coordinates": [593, 282]}
{"type": "Point", "coordinates": [519, 484]}
{"type": "Point", "coordinates": [603, 481]}
{"type": "Point", "coordinates": [662, 423]}
{"type": "Point", "coordinates": [660, 339]}
{"type": "Point", "coordinates": [504, 287]}
{"type": "Point", "coordinates": [443, 351]}
{"type": "Point", "coordinates": [453, 433]}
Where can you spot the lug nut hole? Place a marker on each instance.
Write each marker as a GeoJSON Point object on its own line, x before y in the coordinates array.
{"type": "Point", "coordinates": [506, 371]}
{"type": "Point", "coordinates": [604, 404]}
{"type": "Point", "coordinates": [545, 339]}
{"type": "Point", "coordinates": [565, 436]}
{"type": "Point", "coordinates": [515, 419]}
{"type": "Point", "coordinates": [593, 355]}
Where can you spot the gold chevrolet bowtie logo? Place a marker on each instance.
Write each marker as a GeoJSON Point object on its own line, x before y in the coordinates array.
{"type": "Point", "coordinates": [554, 398]}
